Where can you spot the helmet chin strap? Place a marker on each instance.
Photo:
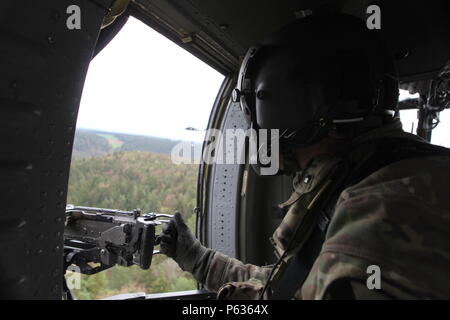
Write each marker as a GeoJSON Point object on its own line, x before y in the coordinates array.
{"type": "Point", "coordinates": [289, 134]}
{"type": "Point", "coordinates": [321, 124]}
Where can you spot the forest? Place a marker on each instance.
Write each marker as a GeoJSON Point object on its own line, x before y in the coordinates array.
{"type": "Point", "coordinates": [114, 171]}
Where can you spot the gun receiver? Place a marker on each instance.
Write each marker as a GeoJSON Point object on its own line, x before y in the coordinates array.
{"type": "Point", "coordinates": [109, 237]}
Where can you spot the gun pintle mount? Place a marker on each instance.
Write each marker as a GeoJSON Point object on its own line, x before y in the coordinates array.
{"type": "Point", "coordinates": [108, 237]}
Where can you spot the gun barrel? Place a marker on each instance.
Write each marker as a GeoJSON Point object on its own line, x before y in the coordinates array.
{"type": "Point", "coordinates": [70, 208]}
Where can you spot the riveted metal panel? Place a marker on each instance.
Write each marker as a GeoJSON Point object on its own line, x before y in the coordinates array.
{"type": "Point", "coordinates": [43, 65]}
{"type": "Point", "coordinates": [224, 193]}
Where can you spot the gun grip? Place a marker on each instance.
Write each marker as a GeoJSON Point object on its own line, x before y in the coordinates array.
{"type": "Point", "coordinates": [146, 246]}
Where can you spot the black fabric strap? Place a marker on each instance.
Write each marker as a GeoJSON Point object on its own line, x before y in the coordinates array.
{"type": "Point", "coordinates": [299, 267]}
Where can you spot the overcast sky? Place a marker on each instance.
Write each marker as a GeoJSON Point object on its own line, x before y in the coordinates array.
{"type": "Point", "coordinates": [142, 83]}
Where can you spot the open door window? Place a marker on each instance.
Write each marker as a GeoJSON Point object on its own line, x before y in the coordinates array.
{"type": "Point", "coordinates": [144, 97]}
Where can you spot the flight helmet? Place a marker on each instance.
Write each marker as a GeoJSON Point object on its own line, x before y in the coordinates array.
{"type": "Point", "coordinates": [316, 74]}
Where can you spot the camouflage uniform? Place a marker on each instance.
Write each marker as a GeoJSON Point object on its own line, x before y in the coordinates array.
{"type": "Point", "coordinates": [397, 218]}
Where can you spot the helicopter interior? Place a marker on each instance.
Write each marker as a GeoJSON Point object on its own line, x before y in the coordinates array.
{"type": "Point", "coordinates": [43, 71]}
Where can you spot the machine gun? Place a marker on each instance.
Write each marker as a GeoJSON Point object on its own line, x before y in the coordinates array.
{"type": "Point", "coordinates": [108, 237]}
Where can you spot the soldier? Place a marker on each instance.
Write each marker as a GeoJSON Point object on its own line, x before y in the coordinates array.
{"type": "Point", "coordinates": [367, 196]}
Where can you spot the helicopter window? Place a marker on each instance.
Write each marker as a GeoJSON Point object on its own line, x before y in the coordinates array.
{"type": "Point", "coordinates": [439, 134]}
{"type": "Point", "coordinates": [143, 95]}
{"type": "Point", "coordinates": [408, 117]}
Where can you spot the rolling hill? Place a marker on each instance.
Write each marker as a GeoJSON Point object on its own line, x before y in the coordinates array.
{"type": "Point", "coordinates": [90, 143]}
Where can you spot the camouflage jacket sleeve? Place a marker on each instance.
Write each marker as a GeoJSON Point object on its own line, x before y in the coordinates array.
{"type": "Point", "coordinates": [397, 219]}
{"type": "Point", "coordinates": [219, 272]}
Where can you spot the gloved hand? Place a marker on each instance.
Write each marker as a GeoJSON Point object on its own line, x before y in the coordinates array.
{"type": "Point", "coordinates": [177, 241]}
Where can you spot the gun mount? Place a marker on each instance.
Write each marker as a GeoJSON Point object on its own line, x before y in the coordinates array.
{"type": "Point", "coordinates": [96, 239]}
